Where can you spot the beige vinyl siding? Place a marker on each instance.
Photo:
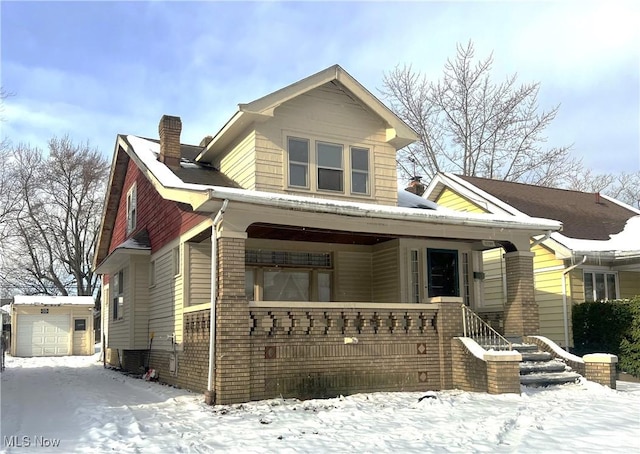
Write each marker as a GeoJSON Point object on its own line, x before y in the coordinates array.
{"type": "Point", "coordinates": [239, 163]}
{"type": "Point", "coordinates": [120, 330]}
{"type": "Point", "coordinates": [386, 272]}
{"type": "Point", "coordinates": [140, 301]}
{"type": "Point", "coordinates": [165, 309]}
{"type": "Point", "coordinates": [352, 276]}
{"type": "Point", "coordinates": [453, 200]}
{"type": "Point", "coordinates": [629, 283]}
{"type": "Point", "coordinates": [327, 114]}
{"type": "Point", "coordinates": [199, 271]}
{"type": "Point", "coordinates": [493, 266]}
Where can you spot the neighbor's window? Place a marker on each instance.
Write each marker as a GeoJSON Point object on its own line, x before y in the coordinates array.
{"type": "Point", "coordinates": [330, 171]}
{"type": "Point", "coordinates": [298, 162]}
{"type": "Point", "coordinates": [131, 209]}
{"type": "Point", "coordinates": [442, 265]}
{"type": "Point", "coordinates": [80, 324]}
{"type": "Point", "coordinates": [118, 295]}
{"type": "Point", "coordinates": [600, 286]}
{"type": "Point", "coordinates": [359, 170]}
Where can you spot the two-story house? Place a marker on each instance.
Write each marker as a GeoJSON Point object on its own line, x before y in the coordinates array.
{"type": "Point", "coordinates": [323, 280]}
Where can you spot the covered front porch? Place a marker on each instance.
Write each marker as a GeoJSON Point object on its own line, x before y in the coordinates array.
{"type": "Point", "coordinates": [316, 304]}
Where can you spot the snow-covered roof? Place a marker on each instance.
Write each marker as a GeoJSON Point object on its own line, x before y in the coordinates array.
{"type": "Point", "coordinates": [147, 152]}
{"type": "Point", "coordinates": [41, 300]}
{"type": "Point", "coordinates": [627, 241]}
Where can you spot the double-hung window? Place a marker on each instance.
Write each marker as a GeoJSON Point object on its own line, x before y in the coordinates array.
{"type": "Point", "coordinates": [359, 170]}
{"type": "Point", "coordinates": [600, 286]}
{"type": "Point", "coordinates": [131, 209]}
{"type": "Point", "coordinates": [330, 166]}
{"type": "Point", "coordinates": [298, 162]}
{"type": "Point", "coordinates": [118, 295]}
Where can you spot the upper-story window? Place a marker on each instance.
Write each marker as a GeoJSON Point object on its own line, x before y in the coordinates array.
{"type": "Point", "coordinates": [298, 162]}
{"type": "Point", "coordinates": [329, 168]}
{"type": "Point", "coordinates": [359, 170]}
{"type": "Point", "coordinates": [330, 171]}
{"type": "Point", "coordinates": [131, 209]}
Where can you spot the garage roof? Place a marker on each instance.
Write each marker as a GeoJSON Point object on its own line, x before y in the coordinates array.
{"type": "Point", "coordinates": [45, 300]}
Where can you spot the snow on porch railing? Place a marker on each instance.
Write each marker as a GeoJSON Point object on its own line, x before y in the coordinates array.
{"type": "Point", "coordinates": [478, 330]}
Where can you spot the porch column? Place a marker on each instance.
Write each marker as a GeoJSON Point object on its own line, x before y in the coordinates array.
{"type": "Point", "coordinates": [232, 380]}
{"type": "Point", "coordinates": [521, 309]}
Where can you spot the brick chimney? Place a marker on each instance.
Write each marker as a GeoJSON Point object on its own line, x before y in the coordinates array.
{"type": "Point", "coordinates": [169, 130]}
{"type": "Point", "coordinates": [415, 186]}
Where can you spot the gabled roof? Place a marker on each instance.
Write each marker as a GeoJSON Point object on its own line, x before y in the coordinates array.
{"type": "Point", "coordinates": [399, 134]}
{"type": "Point", "coordinates": [583, 215]}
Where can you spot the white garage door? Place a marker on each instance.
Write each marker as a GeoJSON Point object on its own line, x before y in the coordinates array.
{"type": "Point", "coordinates": [43, 335]}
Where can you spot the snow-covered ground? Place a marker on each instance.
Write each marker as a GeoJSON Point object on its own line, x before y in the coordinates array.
{"type": "Point", "coordinates": [73, 401]}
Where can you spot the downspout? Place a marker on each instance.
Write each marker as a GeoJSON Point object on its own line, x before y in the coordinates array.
{"type": "Point", "coordinates": [214, 297]}
{"type": "Point", "coordinates": [564, 300]}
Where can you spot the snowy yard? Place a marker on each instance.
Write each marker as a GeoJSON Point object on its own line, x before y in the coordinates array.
{"type": "Point", "coordinates": [74, 402]}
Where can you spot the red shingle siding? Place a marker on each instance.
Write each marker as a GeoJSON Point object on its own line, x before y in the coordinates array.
{"type": "Point", "coordinates": [163, 219]}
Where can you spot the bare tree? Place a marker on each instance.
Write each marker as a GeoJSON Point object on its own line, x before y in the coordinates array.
{"type": "Point", "coordinates": [624, 186]}
{"type": "Point", "coordinates": [60, 196]}
{"type": "Point", "coordinates": [470, 125]}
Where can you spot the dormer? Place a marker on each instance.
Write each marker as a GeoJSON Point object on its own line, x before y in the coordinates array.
{"type": "Point", "coordinates": [324, 136]}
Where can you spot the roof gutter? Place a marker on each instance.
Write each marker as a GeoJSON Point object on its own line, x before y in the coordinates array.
{"type": "Point", "coordinates": [565, 316]}
{"type": "Point", "coordinates": [210, 394]}
{"type": "Point", "coordinates": [308, 204]}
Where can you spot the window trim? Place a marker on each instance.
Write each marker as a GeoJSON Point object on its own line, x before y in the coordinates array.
{"type": "Point", "coordinates": [132, 208]}
{"type": "Point", "coordinates": [347, 170]}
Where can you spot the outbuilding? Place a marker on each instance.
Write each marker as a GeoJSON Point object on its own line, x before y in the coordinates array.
{"type": "Point", "coordinates": [52, 325]}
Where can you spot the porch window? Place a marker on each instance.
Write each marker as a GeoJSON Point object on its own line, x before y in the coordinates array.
{"type": "Point", "coordinates": [286, 285]}
{"type": "Point", "coordinates": [118, 295]}
{"type": "Point", "coordinates": [298, 162]}
{"type": "Point", "coordinates": [442, 265]}
{"type": "Point", "coordinates": [359, 170]}
{"type": "Point", "coordinates": [330, 172]}
{"type": "Point", "coordinates": [131, 209]}
{"type": "Point", "coordinates": [414, 276]}
{"type": "Point", "coordinates": [287, 275]}
{"type": "Point", "coordinates": [600, 286]}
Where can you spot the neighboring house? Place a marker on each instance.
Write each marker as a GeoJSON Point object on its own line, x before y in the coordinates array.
{"type": "Point", "coordinates": [595, 257]}
{"type": "Point", "coordinates": [327, 279]}
{"type": "Point", "coordinates": [52, 326]}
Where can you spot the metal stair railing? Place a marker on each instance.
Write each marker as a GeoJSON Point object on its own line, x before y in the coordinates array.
{"type": "Point", "coordinates": [480, 331]}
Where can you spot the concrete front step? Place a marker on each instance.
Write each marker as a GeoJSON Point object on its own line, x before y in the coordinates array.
{"type": "Point", "coordinates": [547, 378]}
{"type": "Point", "coordinates": [536, 356]}
{"type": "Point", "coordinates": [532, 367]}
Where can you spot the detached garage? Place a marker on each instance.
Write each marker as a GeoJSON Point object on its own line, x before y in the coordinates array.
{"type": "Point", "coordinates": [52, 326]}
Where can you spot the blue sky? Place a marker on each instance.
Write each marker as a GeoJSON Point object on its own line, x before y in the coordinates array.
{"type": "Point", "coordinates": [96, 69]}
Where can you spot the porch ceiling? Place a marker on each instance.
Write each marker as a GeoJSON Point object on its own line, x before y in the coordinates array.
{"type": "Point", "coordinates": [314, 235]}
